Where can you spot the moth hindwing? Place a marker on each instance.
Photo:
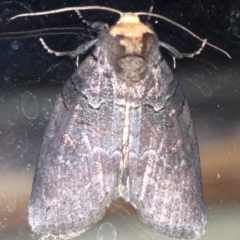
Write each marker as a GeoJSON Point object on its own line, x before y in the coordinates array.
{"type": "Point", "coordinates": [120, 128]}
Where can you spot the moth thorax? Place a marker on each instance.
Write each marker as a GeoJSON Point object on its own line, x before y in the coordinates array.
{"type": "Point", "coordinates": [131, 47]}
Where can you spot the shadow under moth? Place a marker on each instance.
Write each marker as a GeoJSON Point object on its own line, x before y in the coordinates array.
{"type": "Point", "coordinates": [120, 128]}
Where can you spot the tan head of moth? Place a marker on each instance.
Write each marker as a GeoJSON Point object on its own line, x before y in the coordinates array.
{"type": "Point", "coordinates": [132, 30]}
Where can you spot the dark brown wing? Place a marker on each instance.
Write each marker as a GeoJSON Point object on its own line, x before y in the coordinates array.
{"type": "Point", "coordinates": [165, 175]}
{"type": "Point", "coordinates": [76, 175]}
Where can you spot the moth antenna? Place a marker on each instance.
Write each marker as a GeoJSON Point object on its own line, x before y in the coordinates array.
{"type": "Point", "coordinates": [41, 32]}
{"type": "Point", "coordinates": [68, 9]}
{"type": "Point", "coordinates": [182, 27]}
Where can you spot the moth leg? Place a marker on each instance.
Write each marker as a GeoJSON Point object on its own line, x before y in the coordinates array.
{"type": "Point", "coordinates": [150, 10]}
{"type": "Point", "coordinates": [98, 26]}
{"type": "Point", "coordinates": [176, 54]}
{"type": "Point", "coordinates": [79, 50]}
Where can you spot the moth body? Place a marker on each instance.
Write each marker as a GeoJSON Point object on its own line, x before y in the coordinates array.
{"type": "Point", "coordinates": [120, 128]}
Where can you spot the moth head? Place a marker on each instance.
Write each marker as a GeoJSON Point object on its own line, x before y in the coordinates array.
{"type": "Point", "coordinates": [131, 46]}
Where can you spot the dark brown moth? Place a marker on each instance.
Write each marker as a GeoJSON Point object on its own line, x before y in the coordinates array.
{"type": "Point", "coordinates": [120, 128]}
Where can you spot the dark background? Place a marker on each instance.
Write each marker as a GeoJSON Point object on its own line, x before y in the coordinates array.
{"type": "Point", "coordinates": [30, 80]}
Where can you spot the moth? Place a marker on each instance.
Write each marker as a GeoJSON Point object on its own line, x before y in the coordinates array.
{"type": "Point", "coordinates": [120, 128]}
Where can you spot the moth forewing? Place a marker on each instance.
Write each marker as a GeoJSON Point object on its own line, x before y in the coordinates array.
{"type": "Point", "coordinates": [120, 128]}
